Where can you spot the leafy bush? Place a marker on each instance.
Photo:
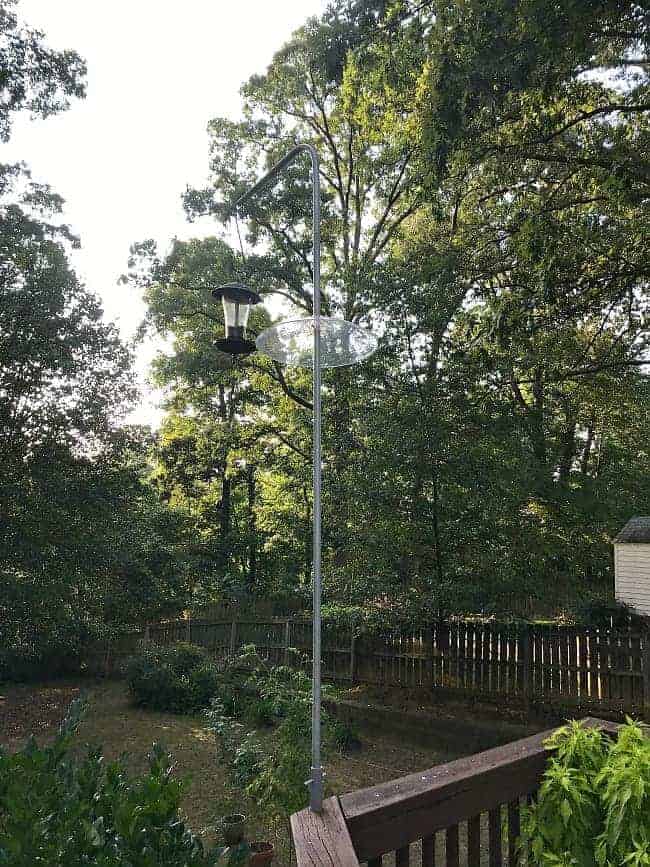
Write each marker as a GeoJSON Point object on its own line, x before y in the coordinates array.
{"type": "Point", "coordinates": [61, 807]}
{"type": "Point", "coordinates": [279, 785]}
{"type": "Point", "coordinates": [40, 639]}
{"type": "Point", "coordinates": [606, 613]}
{"type": "Point", "coordinates": [252, 691]}
{"type": "Point", "coordinates": [239, 751]}
{"type": "Point", "coordinates": [183, 658]}
{"type": "Point", "coordinates": [203, 682]}
{"type": "Point", "coordinates": [593, 805]}
{"type": "Point", "coordinates": [179, 679]}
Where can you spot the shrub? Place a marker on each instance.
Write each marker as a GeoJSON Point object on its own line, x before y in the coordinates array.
{"type": "Point", "coordinates": [52, 646]}
{"type": "Point", "coordinates": [179, 679]}
{"type": "Point", "coordinates": [183, 658]}
{"type": "Point", "coordinates": [606, 613]}
{"type": "Point", "coordinates": [203, 682]}
{"type": "Point", "coordinates": [594, 802]}
{"type": "Point", "coordinates": [279, 785]}
{"type": "Point", "coordinates": [60, 806]}
{"type": "Point", "coordinates": [252, 691]}
{"type": "Point", "coordinates": [239, 751]}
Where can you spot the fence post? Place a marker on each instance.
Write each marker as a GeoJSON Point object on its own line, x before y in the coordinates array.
{"type": "Point", "coordinates": [107, 660]}
{"type": "Point", "coordinates": [645, 666]}
{"type": "Point", "coordinates": [188, 628]}
{"type": "Point", "coordinates": [444, 653]}
{"type": "Point", "coordinates": [233, 637]}
{"type": "Point", "coordinates": [527, 668]}
{"type": "Point", "coordinates": [287, 640]}
{"type": "Point", "coordinates": [147, 635]}
{"type": "Point", "coordinates": [353, 655]}
{"type": "Point", "coordinates": [427, 637]}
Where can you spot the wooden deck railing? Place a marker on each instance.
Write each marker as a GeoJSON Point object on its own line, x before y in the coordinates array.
{"type": "Point", "coordinates": [466, 812]}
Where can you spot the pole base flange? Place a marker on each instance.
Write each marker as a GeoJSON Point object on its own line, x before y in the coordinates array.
{"type": "Point", "coordinates": [316, 790]}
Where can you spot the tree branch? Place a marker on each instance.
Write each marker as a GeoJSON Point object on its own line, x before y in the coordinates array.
{"type": "Point", "coordinates": [278, 377]}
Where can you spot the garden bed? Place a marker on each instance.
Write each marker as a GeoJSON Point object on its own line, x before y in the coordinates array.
{"type": "Point", "coordinates": [34, 710]}
{"type": "Point", "coordinates": [399, 735]}
{"type": "Point", "coordinates": [120, 728]}
{"type": "Point", "coordinates": [456, 734]}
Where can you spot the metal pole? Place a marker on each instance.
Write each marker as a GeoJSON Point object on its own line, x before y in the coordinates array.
{"type": "Point", "coordinates": [316, 800]}
{"type": "Point", "coordinates": [316, 781]}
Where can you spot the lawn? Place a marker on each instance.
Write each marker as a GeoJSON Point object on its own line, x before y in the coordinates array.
{"type": "Point", "coordinates": [123, 729]}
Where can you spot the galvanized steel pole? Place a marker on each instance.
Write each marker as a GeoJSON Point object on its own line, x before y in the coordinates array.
{"type": "Point", "coordinates": [316, 781]}
{"type": "Point", "coordinates": [316, 800]}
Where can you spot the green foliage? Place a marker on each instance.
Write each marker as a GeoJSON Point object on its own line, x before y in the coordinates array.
{"type": "Point", "coordinates": [180, 679]}
{"type": "Point", "coordinates": [253, 692]}
{"type": "Point", "coordinates": [605, 613]}
{"type": "Point", "coordinates": [592, 807]}
{"type": "Point", "coordinates": [88, 554]}
{"type": "Point", "coordinates": [183, 658]}
{"type": "Point", "coordinates": [240, 751]}
{"type": "Point", "coordinates": [87, 549]}
{"type": "Point", "coordinates": [34, 77]}
{"type": "Point", "coordinates": [62, 806]}
{"type": "Point", "coordinates": [484, 211]}
{"type": "Point", "coordinates": [279, 785]}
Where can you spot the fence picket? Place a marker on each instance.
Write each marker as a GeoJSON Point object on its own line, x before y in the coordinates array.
{"type": "Point", "coordinates": [559, 663]}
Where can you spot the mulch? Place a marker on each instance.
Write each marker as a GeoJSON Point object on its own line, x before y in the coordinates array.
{"type": "Point", "coordinates": [37, 710]}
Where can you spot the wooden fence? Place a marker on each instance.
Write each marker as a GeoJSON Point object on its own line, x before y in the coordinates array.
{"type": "Point", "coordinates": [559, 664]}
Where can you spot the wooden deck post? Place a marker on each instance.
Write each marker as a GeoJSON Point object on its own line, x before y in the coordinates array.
{"type": "Point", "coordinates": [323, 839]}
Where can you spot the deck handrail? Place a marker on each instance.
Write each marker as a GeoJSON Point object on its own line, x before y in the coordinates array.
{"type": "Point", "coordinates": [323, 839]}
{"type": "Point", "coordinates": [366, 824]}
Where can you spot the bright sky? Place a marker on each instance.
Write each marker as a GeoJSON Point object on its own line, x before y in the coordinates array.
{"type": "Point", "coordinates": [157, 72]}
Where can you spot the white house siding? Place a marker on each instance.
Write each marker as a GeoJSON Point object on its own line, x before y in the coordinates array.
{"type": "Point", "coordinates": [632, 575]}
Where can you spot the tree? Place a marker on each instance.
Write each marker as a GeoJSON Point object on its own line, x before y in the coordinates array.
{"type": "Point", "coordinates": [484, 211]}
{"type": "Point", "coordinates": [85, 546]}
{"type": "Point", "coordinates": [228, 436]}
{"type": "Point", "coordinates": [537, 197]}
{"type": "Point", "coordinates": [33, 77]}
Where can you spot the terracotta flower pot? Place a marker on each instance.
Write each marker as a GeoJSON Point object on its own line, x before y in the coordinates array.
{"type": "Point", "coordinates": [261, 854]}
{"type": "Point", "coordinates": [232, 827]}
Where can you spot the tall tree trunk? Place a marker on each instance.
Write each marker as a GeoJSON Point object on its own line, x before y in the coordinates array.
{"type": "Point", "coordinates": [567, 450]}
{"type": "Point", "coordinates": [252, 529]}
{"type": "Point", "coordinates": [586, 452]}
{"type": "Point", "coordinates": [536, 419]}
{"type": "Point", "coordinates": [225, 506]}
{"type": "Point", "coordinates": [436, 528]}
